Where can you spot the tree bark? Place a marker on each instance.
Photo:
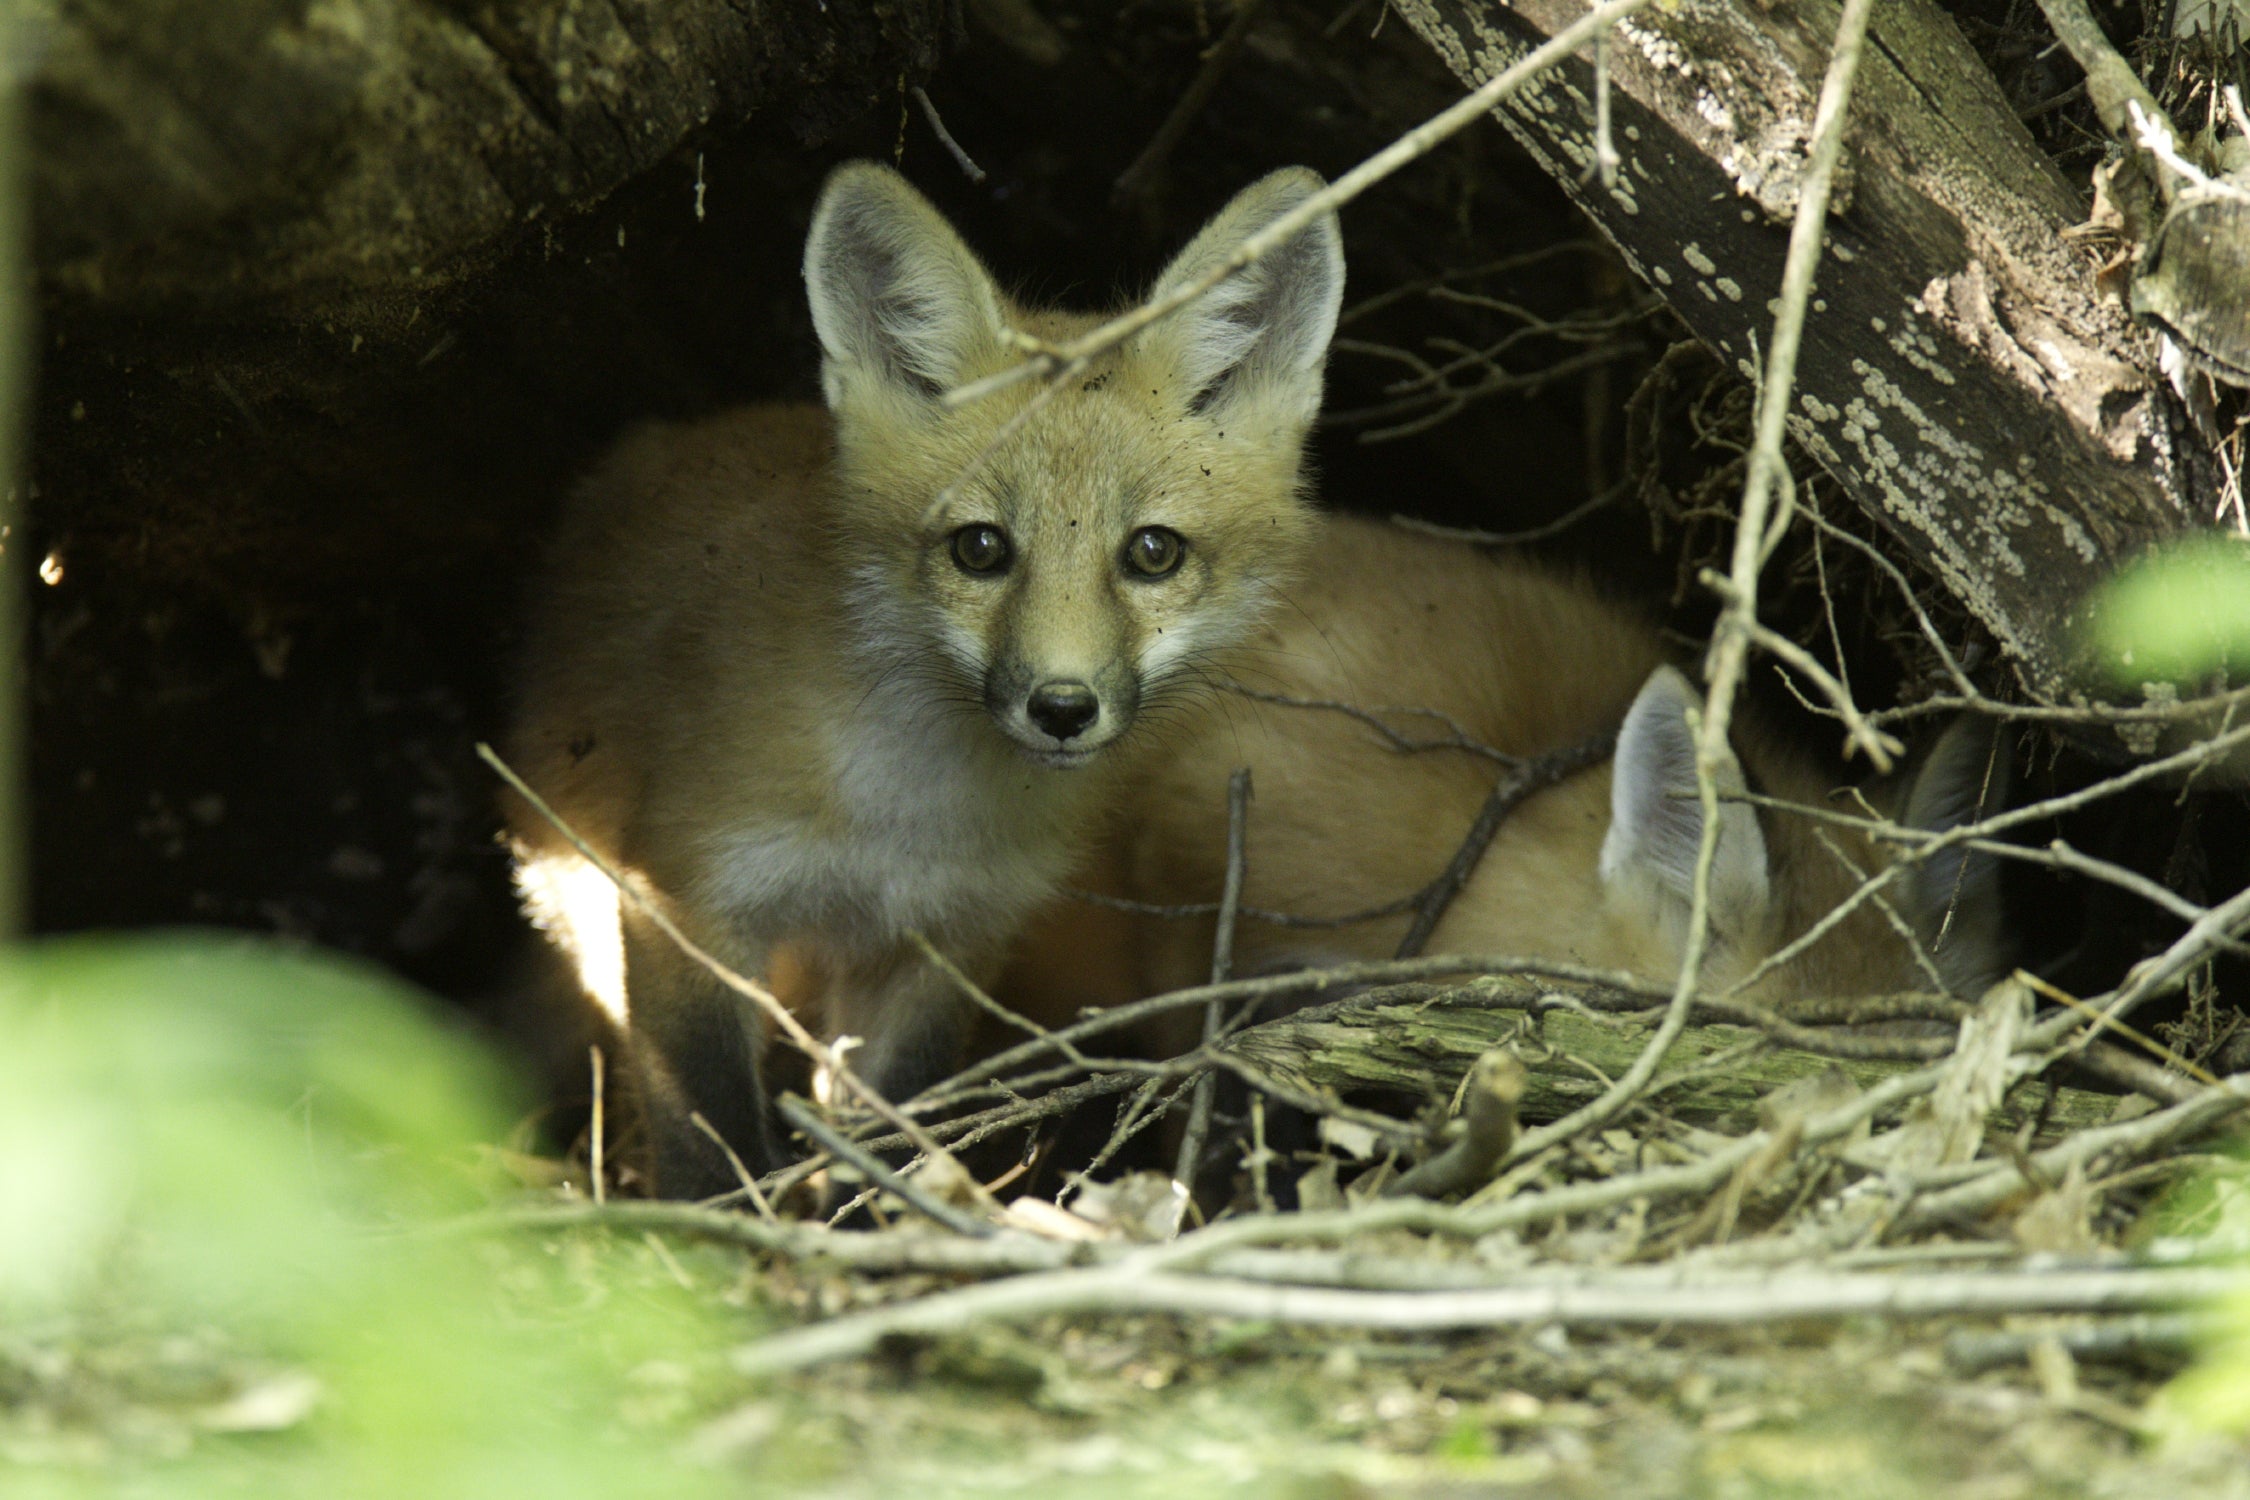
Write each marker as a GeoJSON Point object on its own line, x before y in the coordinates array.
{"type": "Point", "coordinates": [1962, 377]}
{"type": "Point", "coordinates": [337, 163]}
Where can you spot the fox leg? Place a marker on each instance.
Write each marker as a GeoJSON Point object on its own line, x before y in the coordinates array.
{"type": "Point", "coordinates": [697, 1048]}
{"type": "Point", "coordinates": [912, 1020]}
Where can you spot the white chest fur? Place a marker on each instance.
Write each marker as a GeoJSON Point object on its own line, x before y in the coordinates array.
{"type": "Point", "coordinates": [936, 823]}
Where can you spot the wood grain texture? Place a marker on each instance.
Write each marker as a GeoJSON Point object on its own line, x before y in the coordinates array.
{"type": "Point", "coordinates": [1961, 377]}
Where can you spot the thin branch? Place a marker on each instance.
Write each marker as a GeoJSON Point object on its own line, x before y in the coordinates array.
{"type": "Point", "coordinates": [1491, 1091]}
{"type": "Point", "coordinates": [1996, 1181]}
{"type": "Point", "coordinates": [750, 1188]}
{"type": "Point", "coordinates": [1222, 969]}
{"type": "Point", "coordinates": [1881, 749]}
{"type": "Point", "coordinates": [961, 158]}
{"type": "Point", "coordinates": [19, 57]}
{"type": "Point", "coordinates": [2109, 78]}
{"type": "Point", "coordinates": [1730, 648]}
{"type": "Point", "coordinates": [1137, 178]}
{"type": "Point", "coordinates": [1062, 360]}
{"type": "Point", "coordinates": [801, 1116]}
{"type": "Point", "coordinates": [1597, 1299]}
{"type": "Point", "coordinates": [598, 1127]}
{"type": "Point", "coordinates": [1273, 986]}
{"type": "Point", "coordinates": [1531, 777]}
{"type": "Point", "coordinates": [1461, 738]}
{"type": "Point", "coordinates": [1539, 533]}
{"type": "Point", "coordinates": [757, 994]}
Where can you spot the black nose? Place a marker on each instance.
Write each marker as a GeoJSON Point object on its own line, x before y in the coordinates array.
{"type": "Point", "coordinates": [1063, 709]}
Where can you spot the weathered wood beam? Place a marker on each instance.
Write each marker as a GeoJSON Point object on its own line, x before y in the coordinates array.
{"type": "Point", "coordinates": [1962, 377]}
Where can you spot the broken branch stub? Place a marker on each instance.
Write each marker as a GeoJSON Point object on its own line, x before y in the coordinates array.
{"type": "Point", "coordinates": [1961, 377]}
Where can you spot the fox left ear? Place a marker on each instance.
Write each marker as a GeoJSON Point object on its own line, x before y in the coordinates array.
{"type": "Point", "coordinates": [902, 307]}
{"type": "Point", "coordinates": [1656, 820]}
{"type": "Point", "coordinates": [1254, 344]}
{"type": "Point", "coordinates": [1956, 893]}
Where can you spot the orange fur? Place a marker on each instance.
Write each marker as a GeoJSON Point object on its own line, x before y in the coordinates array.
{"type": "Point", "coordinates": [761, 677]}
{"type": "Point", "coordinates": [1523, 661]}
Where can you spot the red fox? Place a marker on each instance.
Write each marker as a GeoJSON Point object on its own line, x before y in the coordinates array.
{"type": "Point", "coordinates": [1443, 640]}
{"type": "Point", "coordinates": [814, 711]}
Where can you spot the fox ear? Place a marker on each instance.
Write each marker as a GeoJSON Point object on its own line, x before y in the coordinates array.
{"type": "Point", "coordinates": [902, 307]}
{"type": "Point", "coordinates": [1656, 820]}
{"type": "Point", "coordinates": [1956, 892]}
{"type": "Point", "coordinates": [1254, 344]}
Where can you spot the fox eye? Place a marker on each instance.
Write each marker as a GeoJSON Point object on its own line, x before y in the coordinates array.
{"type": "Point", "coordinates": [980, 549]}
{"type": "Point", "coordinates": [1154, 551]}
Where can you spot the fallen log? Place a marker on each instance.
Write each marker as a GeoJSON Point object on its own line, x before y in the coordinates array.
{"type": "Point", "coordinates": [1962, 377]}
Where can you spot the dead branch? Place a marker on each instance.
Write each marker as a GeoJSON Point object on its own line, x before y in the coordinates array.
{"type": "Point", "coordinates": [1138, 178]}
{"type": "Point", "coordinates": [1731, 641]}
{"type": "Point", "coordinates": [802, 1117]}
{"type": "Point", "coordinates": [629, 889]}
{"type": "Point", "coordinates": [1063, 362]}
{"type": "Point", "coordinates": [1222, 964]}
{"type": "Point", "coordinates": [1532, 776]}
{"type": "Point", "coordinates": [1611, 1298]}
{"type": "Point", "coordinates": [1494, 1088]}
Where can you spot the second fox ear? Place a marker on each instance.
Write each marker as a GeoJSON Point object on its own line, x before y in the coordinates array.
{"type": "Point", "coordinates": [1956, 893]}
{"type": "Point", "coordinates": [1656, 821]}
{"type": "Point", "coordinates": [1253, 345]}
{"type": "Point", "coordinates": [903, 309]}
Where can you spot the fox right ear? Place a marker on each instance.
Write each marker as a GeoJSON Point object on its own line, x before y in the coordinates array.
{"type": "Point", "coordinates": [1254, 344]}
{"type": "Point", "coordinates": [1956, 892]}
{"type": "Point", "coordinates": [1656, 821]}
{"type": "Point", "coordinates": [902, 307]}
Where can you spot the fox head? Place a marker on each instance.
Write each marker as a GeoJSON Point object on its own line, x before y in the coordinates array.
{"type": "Point", "coordinates": [1938, 927]}
{"type": "Point", "coordinates": [1089, 554]}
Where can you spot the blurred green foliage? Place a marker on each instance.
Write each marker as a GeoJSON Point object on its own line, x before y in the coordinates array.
{"type": "Point", "coordinates": [2212, 1212]}
{"type": "Point", "coordinates": [254, 1151]}
{"type": "Point", "coordinates": [2180, 615]}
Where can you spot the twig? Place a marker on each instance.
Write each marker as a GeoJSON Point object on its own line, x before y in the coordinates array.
{"type": "Point", "coordinates": [1998, 1180]}
{"type": "Point", "coordinates": [1062, 360]}
{"type": "Point", "coordinates": [1540, 533]}
{"type": "Point", "coordinates": [2164, 1337]}
{"type": "Point", "coordinates": [1136, 178]}
{"type": "Point", "coordinates": [2153, 976]}
{"type": "Point", "coordinates": [1740, 1301]}
{"type": "Point", "coordinates": [1461, 738]}
{"type": "Point", "coordinates": [596, 1127]}
{"type": "Point", "coordinates": [2109, 78]}
{"type": "Point", "coordinates": [1270, 986]}
{"type": "Point", "coordinates": [1731, 644]}
{"type": "Point", "coordinates": [975, 994]}
{"type": "Point", "coordinates": [1493, 1089]}
{"type": "Point", "coordinates": [961, 158]}
{"type": "Point", "coordinates": [1606, 160]}
{"type": "Point", "coordinates": [1532, 776]}
{"type": "Point", "coordinates": [962, 1131]}
{"type": "Point", "coordinates": [750, 1188]}
{"type": "Point", "coordinates": [801, 1116]}
{"type": "Point", "coordinates": [2139, 1038]}
{"type": "Point", "coordinates": [757, 994]}
{"type": "Point", "coordinates": [1392, 295]}
{"type": "Point", "coordinates": [1222, 969]}
{"type": "Point", "coordinates": [1881, 749]}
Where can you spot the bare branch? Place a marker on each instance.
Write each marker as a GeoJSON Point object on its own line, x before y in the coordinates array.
{"type": "Point", "coordinates": [1064, 360]}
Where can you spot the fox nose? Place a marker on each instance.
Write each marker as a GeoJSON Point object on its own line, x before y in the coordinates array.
{"type": "Point", "coordinates": [1063, 709]}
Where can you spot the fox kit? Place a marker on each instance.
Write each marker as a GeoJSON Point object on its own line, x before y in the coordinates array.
{"type": "Point", "coordinates": [812, 713]}
{"type": "Point", "coordinates": [1596, 869]}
